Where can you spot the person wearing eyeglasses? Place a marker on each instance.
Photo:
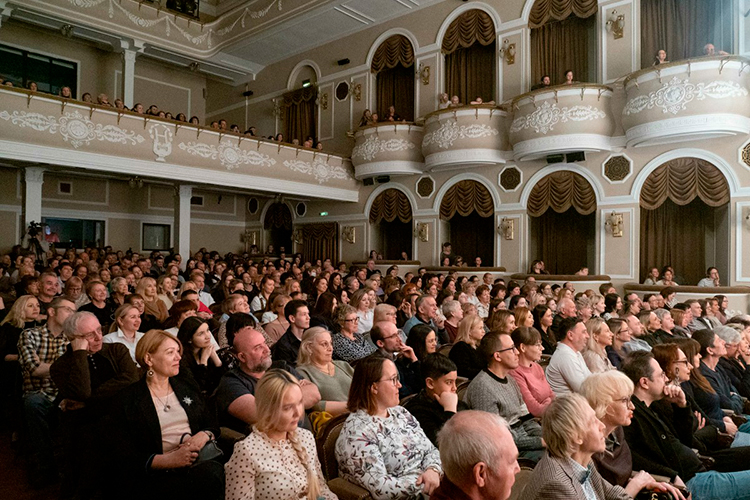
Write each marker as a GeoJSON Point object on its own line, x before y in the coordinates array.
{"type": "Point", "coordinates": [529, 375]}
{"type": "Point", "coordinates": [390, 345]}
{"type": "Point", "coordinates": [348, 345]}
{"type": "Point", "coordinates": [492, 390]}
{"type": "Point", "coordinates": [382, 447]}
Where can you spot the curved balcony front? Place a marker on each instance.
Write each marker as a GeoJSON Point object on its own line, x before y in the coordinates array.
{"type": "Point", "coordinates": [561, 119]}
{"type": "Point", "coordinates": [387, 149]}
{"type": "Point", "coordinates": [465, 135]}
{"type": "Point", "coordinates": [687, 100]}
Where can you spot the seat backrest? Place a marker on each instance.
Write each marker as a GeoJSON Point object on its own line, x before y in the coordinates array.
{"type": "Point", "coordinates": [327, 446]}
{"type": "Point", "coordinates": [445, 349]}
{"type": "Point", "coordinates": [461, 389]}
{"type": "Point", "coordinates": [522, 479]}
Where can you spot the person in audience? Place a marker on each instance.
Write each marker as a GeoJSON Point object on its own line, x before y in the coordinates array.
{"type": "Point", "coordinates": [23, 315]}
{"type": "Point", "coordinates": [180, 311]}
{"type": "Point", "coordinates": [543, 318]}
{"type": "Point", "coordinates": [278, 459]}
{"type": "Point", "coordinates": [118, 291]}
{"type": "Point", "coordinates": [464, 353]}
{"type": "Point", "coordinates": [492, 390]}
{"type": "Point", "coordinates": [455, 103]}
{"type": "Point", "coordinates": [386, 338]}
{"type": "Point", "coordinates": [529, 375]}
{"type": "Point", "coordinates": [620, 337]}
{"type": "Point", "coordinates": [573, 435]}
{"type": "Point", "coordinates": [332, 377]}
{"type": "Point", "coordinates": [426, 313]}
{"type": "Point", "coordinates": [38, 348]}
{"type": "Point", "coordinates": [600, 337]}
{"type": "Point", "coordinates": [89, 376]}
{"type": "Point", "coordinates": [731, 364]}
{"type": "Point", "coordinates": [443, 101]}
{"type": "Point", "coordinates": [86, 97]}
{"type": "Point", "coordinates": [236, 303]}
{"type": "Point", "coordinates": [609, 395]}
{"type": "Point", "coordinates": [653, 276]}
{"type": "Point", "coordinates": [660, 57]}
{"type": "Point", "coordinates": [49, 289]}
{"type": "Point", "coordinates": [348, 345]}
{"type": "Point", "coordinates": [502, 321]}
{"type": "Point", "coordinates": [710, 50]}
{"type": "Point", "coordinates": [656, 449]}
{"type": "Point", "coordinates": [711, 279]}
{"type": "Point", "coordinates": [566, 308]}
{"type": "Point", "coordinates": [97, 293]}
{"type": "Point", "coordinates": [366, 118]}
{"type": "Point", "coordinates": [161, 423]}
{"type": "Point", "coordinates": [65, 92]}
{"type": "Point", "coordinates": [235, 396]}
{"type": "Point", "coordinates": [568, 77]}
{"type": "Point", "coordinates": [360, 300]}
{"type": "Point", "coordinates": [124, 329]}
{"type": "Point", "coordinates": [422, 339]}
{"type": "Point", "coordinates": [453, 316]}
{"type": "Point", "coordinates": [275, 329]}
{"type": "Point", "coordinates": [567, 369]}
{"type": "Point", "coordinates": [543, 82]}
{"type": "Point", "coordinates": [287, 347]}
{"type": "Point", "coordinates": [401, 463]}
{"type": "Point", "coordinates": [200, 358]}
{"type": "Point", "coordinates": [73, 289]}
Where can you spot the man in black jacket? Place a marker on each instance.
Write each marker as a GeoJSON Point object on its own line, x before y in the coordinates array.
{"type": "Point", "coordinates": [434, 405]}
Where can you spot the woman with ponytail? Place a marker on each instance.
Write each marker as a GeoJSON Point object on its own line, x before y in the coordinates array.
{"type": "Point", "coordinates": [278, 459]}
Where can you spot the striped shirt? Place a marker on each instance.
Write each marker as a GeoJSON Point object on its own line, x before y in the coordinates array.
{"type": "Point", "coordinates": [37, 346]}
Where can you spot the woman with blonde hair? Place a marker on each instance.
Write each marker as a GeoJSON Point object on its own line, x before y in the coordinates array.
{"type": "Point", "coordinates": [165, 290]}
{"type": "Point", "coordinates": [464, 352]}
{"type": "Point", "coordinates": [502, 321]}
{"type": "Point", "coordinates": [24, 314]}
{"type": "Point", "coordinates": [147, 289]}
{"type": "Point", "coordinates": [361, 302]}
{"type": "Point", "coordinates": [333, 377]}
{"type": "Point", "coordinates": [124, 329]}
{"type": "Point", "coordinates": [600, 337]}
{"type": "Point", "coordinates": [523, 317]}
{"type": "Point", "coordinates": [278, 459]}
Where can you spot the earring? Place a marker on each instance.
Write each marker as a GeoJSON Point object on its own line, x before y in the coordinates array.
{"type": "Point", "coordinates": [150, 373]}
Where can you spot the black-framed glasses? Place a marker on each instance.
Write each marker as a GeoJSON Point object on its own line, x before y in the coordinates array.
{"type": "Point", "coordinates": [511, 348]}
{"type": "Point", "coordinates": [394, 380]}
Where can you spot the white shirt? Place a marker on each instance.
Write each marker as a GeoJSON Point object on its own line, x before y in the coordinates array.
{"type": "Point", "coordinates": [206, 298]}
{"type": "Point", "coordinates": [566, 370]}
{"type": "Point", "coordinates": [118, 337]}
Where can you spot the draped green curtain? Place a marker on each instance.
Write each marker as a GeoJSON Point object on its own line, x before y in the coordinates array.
{"type": "Point", "coordinates": [562, 45]}
{"type": "Point", "coordinates": [545, 11]}
{"type": "Point", "coordinates": [464, 198]}
{"type": "Point", "coordinates": [682, 180]}
{"type": "Point", "coordinates": [395, 87]}
{"type": "Point", "coordinates": [320, 241]}
{"type": "Point", "coordinates": [392, 52]}
{"type": "Point", "coordinates": [562, 191]}
{"type": "Point", "coordinates": [390, 205]}
{"type": "Point", "coordinates": [683, 27]}
{"type": "Point", "coordinates": [299, 114]}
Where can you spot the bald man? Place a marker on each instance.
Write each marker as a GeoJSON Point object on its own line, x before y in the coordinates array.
{"type": "Point", "coordinates": [479, 458]}
{"type": "Point", "coordinates": [566, 308]}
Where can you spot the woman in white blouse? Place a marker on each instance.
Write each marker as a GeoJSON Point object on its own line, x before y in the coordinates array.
{"type": "Point", "coordinates": [278, 459]}
{"type": "Point", "coordinates": [124, 330]}
{"type": "Point", "coordinates": [382, 447]}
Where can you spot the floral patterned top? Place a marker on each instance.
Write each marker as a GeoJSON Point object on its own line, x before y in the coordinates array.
{"type": "Point", "coordinates": [261, 468]}
{"type": "Point", "coordinates": [385, 455]}
{"type": "Point", "coordinates": [351, 350]}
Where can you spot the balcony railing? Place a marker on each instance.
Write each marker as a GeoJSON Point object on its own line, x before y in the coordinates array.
{"type": "Point", "coordinates": [687, 100]}
{"type": "Point", "coordinates": [561, 119]}
{"type": "Point", "coordinates": [388, 149]}
{"type": "Point", "coordinates": [36, 127]}
{"type": "Point", "coordinates": [466, 135]}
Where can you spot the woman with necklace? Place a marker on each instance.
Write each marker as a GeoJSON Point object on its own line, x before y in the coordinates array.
{"type": "Point", "coordinates": [125, 328]}
{"type": "Point", "coordinates": [278, 459]}
{"type": "Point", "coordinates": [316, 364]}
{"type": "Point", "coordinates": [162, 423]}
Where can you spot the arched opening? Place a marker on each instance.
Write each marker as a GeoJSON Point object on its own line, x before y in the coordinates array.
{"type": "Point", "coordinates": [393, 63]}
{"type": "Point", "coordinates": [468, 209]}
{"type": "Point", "coordinates": [278, 226]}
{"type": "Point", "coordinates": [685, 220]}
{"type": "Point", "coordinates": [563, 37]}
{"type": "Point", "coordinates": [682, 28]}
{"type": "Point", "coordinates": [564, 237]}
{"type": "Point", "coordinates": [391, 224]}
{"type": "Point", "coordinates": [469, 49]}
{"type": "Point", "coordinates": [298, 108]}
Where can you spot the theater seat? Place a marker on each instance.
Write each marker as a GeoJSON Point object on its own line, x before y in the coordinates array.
{"type": "Point", "coordinates": [445, 349]}
{"type": "Point", "coordinates": [326, 444]}
{"type": "Point", "coordinates": [522, 479]}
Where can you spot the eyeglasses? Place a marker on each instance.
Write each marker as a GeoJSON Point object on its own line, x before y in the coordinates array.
{"type": "Point", "coordinates": [682, 361]}
{"type": "Point", "coordinates": [325, 345]}
{"type": "Point", "coordinates": [91, 335]}
{"type": "Point", "coordinates": [350, 320]}
{"type": "Point", "coordinates": [626, 401]}
{"type": "Point", "coordinates": [390, 336]}
{"type": "Point", "coordinates": [393, 380]}
{"type": "Point", "coordinates": [511, 348]}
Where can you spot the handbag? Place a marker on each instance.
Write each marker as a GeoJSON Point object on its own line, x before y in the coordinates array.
{"type": "Point", "coordinates": [210, 451]}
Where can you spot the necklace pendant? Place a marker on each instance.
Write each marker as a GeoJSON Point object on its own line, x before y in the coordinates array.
{"type": "Point", "coordinates": [167, 408]}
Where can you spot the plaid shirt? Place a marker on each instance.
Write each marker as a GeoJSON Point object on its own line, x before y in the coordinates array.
{"type": "Point", "coordinates": [37, 346]}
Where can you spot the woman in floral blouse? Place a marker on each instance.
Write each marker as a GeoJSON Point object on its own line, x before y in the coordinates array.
{"type": "Point", "coordinates": [278, 459]}
{"type": "Point", "coordinates": [381, 447]}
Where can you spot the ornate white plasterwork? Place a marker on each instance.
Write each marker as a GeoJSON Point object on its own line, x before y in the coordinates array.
{"type": "Point", "coordinates": [162, 137]}
{"type": "Point", "coordinates": [545, 117]}
{"type": "Point", "coordinates": [318, 168]}
{"type": "Point", "coordinates": [373, 145]}
{"type": "Point", "coordinates": [74, 127]}
{"type": "Point", "coordinates": [169, 24]}
{"type": "Point", "coordinates": [450, 131]}
{"type": "Point", "coordinates": [674, 95]}
{"type": "Point", "coordinates": [230, 155]}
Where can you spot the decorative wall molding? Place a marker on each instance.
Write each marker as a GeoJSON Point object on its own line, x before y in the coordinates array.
{"type": "Point", "coordinates": [546, 116]}
{"type": "Point", "coordinates": [318, 168]}
{"type": "Point", "coordinates": [674, 95]}
{"type": "Point", "coordinates": [373, 146]}
{"type": "Point", "coordinates": [450, 131]}
{"type": "Point", "coordinates": [230, 155]}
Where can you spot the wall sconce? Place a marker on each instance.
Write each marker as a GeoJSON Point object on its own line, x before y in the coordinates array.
{"type": "Point", "coordinates": [355, 90]}
{"type": "Point", "coordinates": [297, 236]}
{"type": "Point", "coordinates": [276, 108]}
{"type": "Point", "coordinates": [349, 234]}
{"type": "Point", "coordinates": [135, 182]}
{"type": "Point", "coordinates": [508, 228]}
{"type": "Point", "coordinates": [249, 238]}
{"type": "Point", "coordinates": [324, 101]}
{"type": "Point", "coordinates": [614, 223]}
{"type": "Point", "coordinates": [424, 73]}
{"type": "Point", "coordinates": [615, 24]}
{"type": "Point", "coordinates": [508, 51]}
{"type": "Point", "coordinates": [423, 232]}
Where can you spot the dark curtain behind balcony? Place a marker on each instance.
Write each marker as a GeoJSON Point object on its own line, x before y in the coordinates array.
{"type": "Point", "coordinates": [470, 60]}
{"type": "Point", "coordinates": [562, 45]}
{"type": "Point", "coordinates": [684, 27]}
{"type": "Point", "coordinates": [320, 241]}
{"type": "Point", "coordinates": [395, 87]}
{"type": "Point", "coordinates": [298, 112]}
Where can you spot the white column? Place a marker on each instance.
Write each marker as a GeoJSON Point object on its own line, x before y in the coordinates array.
{"type": "Point", "coordinates": [181, 239]}
{"type": "Point", "coordinates": [32, 202]}
{"type": "Point", "coordinates": [128, 76]}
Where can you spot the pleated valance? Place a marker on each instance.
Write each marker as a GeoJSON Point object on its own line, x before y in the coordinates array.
{"type": "Point", "coordinates": [471, 26]}
{"type": "Point", "coordinates": [389, 205]}
{"type": "Point", "coordinates": [545, 11]}
{"type": "Point", "coordinates": [394, 51]}
{"type": "Point", "coordinates": [298, 96]}
{"type": "Point", "coordinates": [278, 216]}
{"type": "Point", "coordinates": [464, 198]}
{"type": "Point", "coordinates": [560, 191]}
{"type": "Point", "coordinates": [681, 180]}
{"type": "Point", "coordinates": [322, 231]}
{"type": "Point", "coordinates": [320, 241]}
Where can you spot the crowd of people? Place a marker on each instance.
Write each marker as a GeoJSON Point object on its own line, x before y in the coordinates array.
{"type": "Point", "coordinates": [120, 370]}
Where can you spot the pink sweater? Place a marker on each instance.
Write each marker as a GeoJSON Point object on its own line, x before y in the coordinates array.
{"type": "Point", "coordinates": [535, 390]}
